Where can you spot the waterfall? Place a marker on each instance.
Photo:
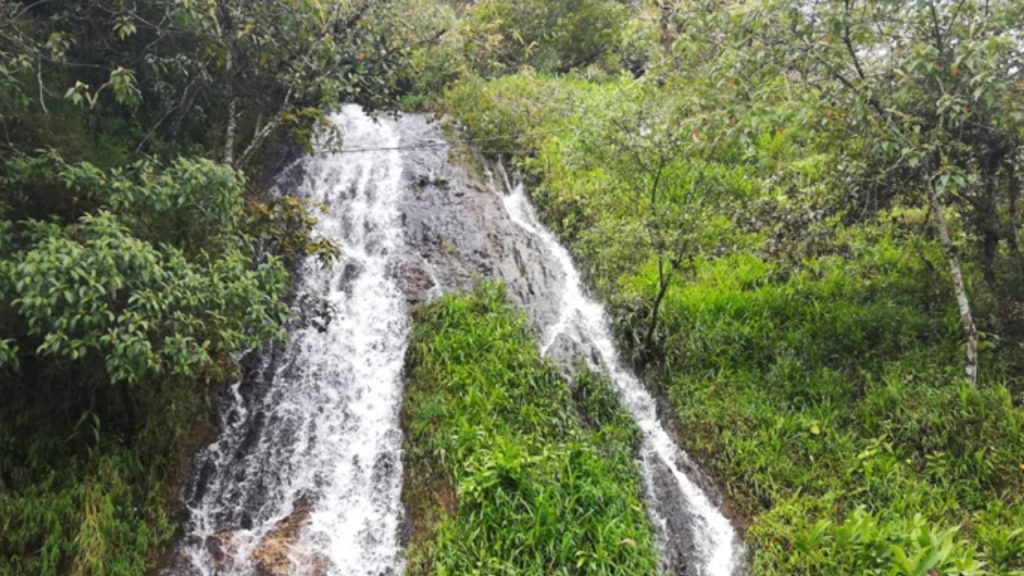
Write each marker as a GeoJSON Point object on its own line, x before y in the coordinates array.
{"type": "Point", "coordinates": [305, 478]}
{"type": "Point", "coordinates": [306, 475]}
{"type": "Point", "coordinates": [713, 549]}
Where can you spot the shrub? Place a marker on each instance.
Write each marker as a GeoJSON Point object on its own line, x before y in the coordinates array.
{"type": "Point", "coordinates": [119, 320]}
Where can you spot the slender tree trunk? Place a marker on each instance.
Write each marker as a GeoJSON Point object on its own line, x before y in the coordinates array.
{"type": "Point", "coordinates": [263, 131]}
{"type": "Point", "coordinates": [42, 87]}
{"type": "Point", "coordinates": [966, 317]}
{"type": "Point", "coordinates": [664, 276]}
{"type": "Point", "coordinates": [664, 279]}
{"type": "Point", "coordinates": [184, 107]}
{"type": "Point", "coordinates": [258, 138]}
{"type": "Point", "coordinates": [229, 136]}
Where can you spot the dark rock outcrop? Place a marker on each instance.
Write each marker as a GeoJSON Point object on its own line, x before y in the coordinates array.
{"type": "Point", "coordinates": [459, 233]}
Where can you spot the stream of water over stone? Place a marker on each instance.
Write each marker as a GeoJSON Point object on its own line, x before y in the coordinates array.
{"type": "Point", "coordinates": [306, 475]}
{"type": "Point", "coordinates": [704, 542]}
{"type": "Point", "coordinates": [464, 227]}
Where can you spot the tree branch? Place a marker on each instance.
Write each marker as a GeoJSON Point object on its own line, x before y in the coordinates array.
{"type": "Point", "coordinates": [263, 133]}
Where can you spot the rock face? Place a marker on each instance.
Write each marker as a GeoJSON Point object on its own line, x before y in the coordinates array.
{"type": "Point", "coordinates": [305, 475]}
{"type": "Point", "coordinates": [459, 233]}
{"type": "Point", "coordinates": [279, 552]}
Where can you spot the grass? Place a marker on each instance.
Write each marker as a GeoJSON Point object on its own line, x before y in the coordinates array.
{"type": "Point", "coordinates": [509, 470]}
{"type": "Point", "coordinates": [828, 398]}
{"type": "Point", "coordinates": [832, 406]}
{"type": "Point", "coordinates": [80, 499]}
{"type": "Point", "coordinates": [815, 367]}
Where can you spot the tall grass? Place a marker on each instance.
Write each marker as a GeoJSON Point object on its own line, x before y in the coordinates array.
{"type": "Point", "coordinates": [509, 469]}
{"type": "Point", "coordinates": [814, 361]}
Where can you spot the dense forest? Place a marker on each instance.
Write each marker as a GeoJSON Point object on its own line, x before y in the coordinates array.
{"type": "Point", "coordinates": [803, 218]}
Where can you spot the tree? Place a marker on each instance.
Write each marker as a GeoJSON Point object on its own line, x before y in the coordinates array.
{"type": "Point", "coordinates": [919, 104]}
{"type": "Point", "coordinates": [136, 263]}
{"type": "Point", "coordinates": [661, 181]}
{"type": "Point", "coordinates": [552, 37]}
{"type": "Point", "coordinates": [928, 101]}
{"type": "Point", "coordinates": [206, 72]}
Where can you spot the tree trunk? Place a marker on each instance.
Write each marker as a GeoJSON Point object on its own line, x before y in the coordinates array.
{"type": "Point", "coordinates": [263, 131]}
{"type": "Point", "coordinates": [990, 227]}
{"type": "Point", "coordinates": [989, 252]}
{"type": "Point", "coordinates": [966, 317]}
{"type": "Point", "coordinates": [663, 283]}
{"type": "Point", "coordinates": [229, 136]}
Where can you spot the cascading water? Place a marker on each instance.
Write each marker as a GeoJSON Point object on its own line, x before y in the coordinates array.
{"type": "Point", "coordinates": [306, 476]}
{"type": "Point", "coordinates": [714, 548]}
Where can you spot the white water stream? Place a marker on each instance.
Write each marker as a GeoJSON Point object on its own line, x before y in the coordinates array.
{"type": "Point", "coordinates": [306, 476]}
{"type": "Point", "coordinates": [320, 452]}
{"type": "Point", "coordinates": [583, 319]}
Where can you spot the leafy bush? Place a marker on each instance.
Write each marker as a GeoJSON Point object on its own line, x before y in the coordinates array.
{"type": "Point", "coordinates": [119, 322]}
{"type": "Point", "coordinates": [552, 37]}
{"type": "Point", "coordinates": [513, 115]}
{"type": "Point", "coordinates": [157, 285]}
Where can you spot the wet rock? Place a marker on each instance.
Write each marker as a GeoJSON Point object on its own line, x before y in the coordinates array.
{"type": "Point", "coordinates": [280, 166]}
{"type": "Point", "coordinates": [310, 311]}
{"type": "Point", "coordinates": [569, 354]}
{"type": "Point", "coordinates": [349, 275]}
{"type": "Point", "coordinates": [176, 563]}
{"type": "Point", "coordinates": [206, 472]}
{"type": "Point", "coordinates": [221, 548]}
{"type": "Point", "coordinates": [676, 531]}
{"type": "Point", "coordinates": [414, 279]}
{"type": "Point", "coordinates": [466, 234]}
{"type": "Point", "coordinates": [252, 435]}
{"type": "Point", "coordinates": [295, 416]}
{"type": "Point", "coordinates": [279, 552]}
{"type": "Point", "coordinates": [458, 226]}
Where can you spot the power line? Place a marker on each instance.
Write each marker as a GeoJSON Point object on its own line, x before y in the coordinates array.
{"type": "Point", "coordinates": [450, 143]}
{"type": "Point", "coordinates": [476, 142]}
{"type": "Point", "coordinates": [422, 146]}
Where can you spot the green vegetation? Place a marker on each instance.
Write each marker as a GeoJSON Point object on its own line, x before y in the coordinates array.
{"type": "Point", "coordinates": [812, 253]}
{"type": "Point", "coordinates": [503, 475]}
{"type": "Point", "coordinates": [129, 275]}
{"type": "Point", "coordinates": [804, 219]}
{"type": "Point", "coordinates": [116, 323]}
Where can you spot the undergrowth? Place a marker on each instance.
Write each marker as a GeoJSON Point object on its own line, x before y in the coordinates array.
{"type": "Point", "coordinates": [508, 469]}
{"type": "Point", "coordinates": [814, 360]}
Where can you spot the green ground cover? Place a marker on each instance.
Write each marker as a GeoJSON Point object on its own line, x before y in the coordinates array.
{"type": "Point", "coordinates": [509, 469]}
